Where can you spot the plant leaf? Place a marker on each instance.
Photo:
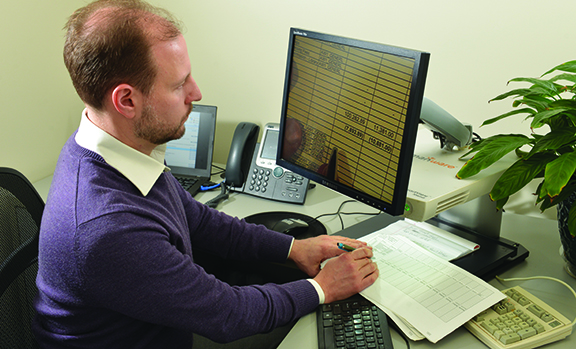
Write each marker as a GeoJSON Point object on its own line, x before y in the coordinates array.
{"type": "Point", "coordinates": [555, 139]}
{"type": "Point", "coordinates": [492, 150]}
{"type": "Point", "coordinates": [535, 101]}
{"type": "Point", "coordinates": [520, 92]}
{"type": "Point", "coordinates": [545, 84]}
{"type": "Point", "coordinates": [569, 66]}
{"type": "Point", "coordinates": [548, 202]}
{"type": "Point", "coordinates": [541, 118]}
{"type": "Point", "coordinates": [505, 115]}
{"type": "Point", "coordinates": [565, 76]}
{"type": "Point", "coordinates": [558, 173]}
{"type": "Point", "coordinates": [519, 174]}
{"type": "Point", "coordinates": [476, 146]}
{"type": "Point", "coordinates": [500, 203]}
{"type": "Point", "coordinates": [563, 103]}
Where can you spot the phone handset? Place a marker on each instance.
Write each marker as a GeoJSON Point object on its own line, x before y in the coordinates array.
{"type": "Point", "coordinates": [240, 155]}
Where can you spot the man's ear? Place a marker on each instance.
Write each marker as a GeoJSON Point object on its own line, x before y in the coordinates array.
{"type": "Point", "coordinates": [125, 99]}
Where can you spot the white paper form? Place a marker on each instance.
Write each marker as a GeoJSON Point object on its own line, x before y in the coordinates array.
{"type": "Point", "coordinates": [438, 241]}
{"type": "Point", "coordinates": [433, 295]}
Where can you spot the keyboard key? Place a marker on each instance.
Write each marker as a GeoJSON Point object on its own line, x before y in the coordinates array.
{"type": "Point", "coordinates": [509, 338]}
{"type": "Point", "coordinates": [527, 332]}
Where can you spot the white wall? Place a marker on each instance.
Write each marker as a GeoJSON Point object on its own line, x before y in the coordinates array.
{"type": "Point", "coordinates": [238, 54]}
{"type": "Point", "coordinates": [38, 106]}
{"type": "Point", "coordinates": [238, 48]}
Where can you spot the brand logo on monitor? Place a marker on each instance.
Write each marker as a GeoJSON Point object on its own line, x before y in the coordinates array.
{"type": "Point", "coordinates": [329, 185]}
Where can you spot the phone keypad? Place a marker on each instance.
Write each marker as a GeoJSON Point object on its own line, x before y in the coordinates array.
{"type": "Point", "coordinates": [288, 185]}
{"type": "Point", "coordinates": [260, 180]}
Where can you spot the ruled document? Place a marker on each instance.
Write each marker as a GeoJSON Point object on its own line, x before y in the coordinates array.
{"type": "Point", "coordinates": [432, 295]}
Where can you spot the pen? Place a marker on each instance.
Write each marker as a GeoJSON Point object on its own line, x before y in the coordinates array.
{"type": "Point", "coordinates": [345, 247]}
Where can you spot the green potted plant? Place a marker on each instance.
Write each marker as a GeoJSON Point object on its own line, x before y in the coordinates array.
{"type": "Point", "coordinates": [547, 154]}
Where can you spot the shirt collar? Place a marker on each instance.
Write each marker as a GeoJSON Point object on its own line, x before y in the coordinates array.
{"type": "Point", "coordinates": [140, 169]}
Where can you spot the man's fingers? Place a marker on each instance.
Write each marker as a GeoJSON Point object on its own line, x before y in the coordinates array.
{"type": "Point", "coordinates": [348, 241]}
{"type": "Point", "coordinates": [370, 279]}
{"type": "Point", "coordinates": [354, 243]}
{"type": "Point", "coordinates": [364, 252]}
{"type": "Point", "coordinates": [368, 266]}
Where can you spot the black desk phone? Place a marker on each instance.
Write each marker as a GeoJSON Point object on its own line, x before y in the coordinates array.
{"type": "Point", "coordinates": [251, 167]}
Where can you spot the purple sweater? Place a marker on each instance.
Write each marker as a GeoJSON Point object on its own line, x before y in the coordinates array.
{"type": "Point", "coordinates": [116, 268]}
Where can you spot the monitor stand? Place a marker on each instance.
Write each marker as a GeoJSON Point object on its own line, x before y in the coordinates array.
{"type": "Point", "coordinates": [477, 221]}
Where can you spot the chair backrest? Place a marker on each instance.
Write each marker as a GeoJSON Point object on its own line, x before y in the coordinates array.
{"type": "Point", "coordinates": [21, 210]}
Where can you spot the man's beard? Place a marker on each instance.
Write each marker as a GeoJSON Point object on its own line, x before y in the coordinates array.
{"type": "Point", "coordinates": [152, 127]}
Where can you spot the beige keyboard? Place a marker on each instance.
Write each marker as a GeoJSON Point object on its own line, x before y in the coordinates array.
{"type": "Point", "coordinates": [521, 321]}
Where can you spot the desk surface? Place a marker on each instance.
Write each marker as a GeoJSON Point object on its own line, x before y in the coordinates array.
{"type": "Point", "coordinates": [539, 235]}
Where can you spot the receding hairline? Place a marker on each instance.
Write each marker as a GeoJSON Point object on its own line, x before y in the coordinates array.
{"type": "Point", "coordinates": [148, 18]}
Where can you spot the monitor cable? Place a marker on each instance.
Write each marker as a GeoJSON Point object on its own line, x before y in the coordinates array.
{"type": "Point", "coordinates": [339, 213]}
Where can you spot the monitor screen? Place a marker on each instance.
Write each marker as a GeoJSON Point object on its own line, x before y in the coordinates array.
{"type": "Point", "coordinates": [350, 114]}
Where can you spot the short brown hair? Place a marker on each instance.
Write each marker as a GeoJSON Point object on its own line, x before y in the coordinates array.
{"type": "Point", "coordinates": [108, 43]}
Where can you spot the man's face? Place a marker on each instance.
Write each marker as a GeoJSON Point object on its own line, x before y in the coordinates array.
{"type": "Point", "coordinates": [168, 105]}
{"type": "Point", "coordinates": [153, 127]}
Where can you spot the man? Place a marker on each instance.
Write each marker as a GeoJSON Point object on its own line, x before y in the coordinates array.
{"type": "Point", "coordinates": [116, 268]}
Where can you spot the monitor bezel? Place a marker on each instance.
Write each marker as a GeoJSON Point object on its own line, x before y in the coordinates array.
{"type": "Point", "coordinates": [421, 60]}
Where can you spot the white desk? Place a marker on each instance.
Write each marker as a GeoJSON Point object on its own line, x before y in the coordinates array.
{"type": "Point", "coordinates": [538, 235]}
{"type": "Point", "coordinates": [541, 238]}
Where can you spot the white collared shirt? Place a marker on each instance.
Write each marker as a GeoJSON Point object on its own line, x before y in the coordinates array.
{"type": "Point", "coordinates": [140, 169]}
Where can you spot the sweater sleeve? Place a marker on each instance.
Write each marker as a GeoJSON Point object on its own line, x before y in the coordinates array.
{"type": "Point", "coordinates": [230, 237]}
{"type": "Point", "coordinates": [134, 267]}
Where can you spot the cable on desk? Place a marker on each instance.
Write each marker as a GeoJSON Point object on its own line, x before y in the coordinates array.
{"type": "Point", "coordinates": [540, 277]}
{"type": "Point", "coordinates": [222, 196]}
{"type": "Point", "coordinates": [336, 213]}
{"type": "Point", "coordinates": [393, 325]}
{"type": "Point", "coordinates": [345, 213]}
{"type": "Point", "coordinates": [222, 170]}
{"type": "Point", "coordinates": [210, 187]}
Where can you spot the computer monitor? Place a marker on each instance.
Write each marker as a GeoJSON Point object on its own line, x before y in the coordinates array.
{"type": "Point", "coordinates": [350, 115]}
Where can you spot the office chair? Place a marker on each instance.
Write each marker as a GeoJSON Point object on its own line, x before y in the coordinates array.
{"type": "Point", "coordinates": [21, 210]}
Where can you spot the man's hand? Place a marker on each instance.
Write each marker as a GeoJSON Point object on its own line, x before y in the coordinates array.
{"type": "Point", "coordinates": [347, 274]}
{"type": "Point", "coordinates": [309, 253]}
{"type": "Point", "coordinates": [341, 277]}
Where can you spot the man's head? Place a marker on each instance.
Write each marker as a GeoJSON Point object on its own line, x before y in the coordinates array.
{"type": "Point", "coordinates": [109, 42]}
{"type": "Point", "coordinates": [129, 63]}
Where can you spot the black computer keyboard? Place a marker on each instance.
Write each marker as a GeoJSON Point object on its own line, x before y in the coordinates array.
{"type": "Point", "coordinates": [186, 182]}
{"type": "Point", "coordinates": [352, 323]}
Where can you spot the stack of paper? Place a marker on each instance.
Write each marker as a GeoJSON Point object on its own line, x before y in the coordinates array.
{"type": "Point", "coordinates": [427, 296]}
{"type": "Point", "coordinates": [438, 241]}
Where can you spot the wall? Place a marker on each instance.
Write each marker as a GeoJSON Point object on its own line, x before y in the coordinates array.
{"type": "Point", "coordinates": [238, 54]}
{"type": "Point", "coordinates": [38, 106]}
{"type": "Point", "coordinates": [238, 48]}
